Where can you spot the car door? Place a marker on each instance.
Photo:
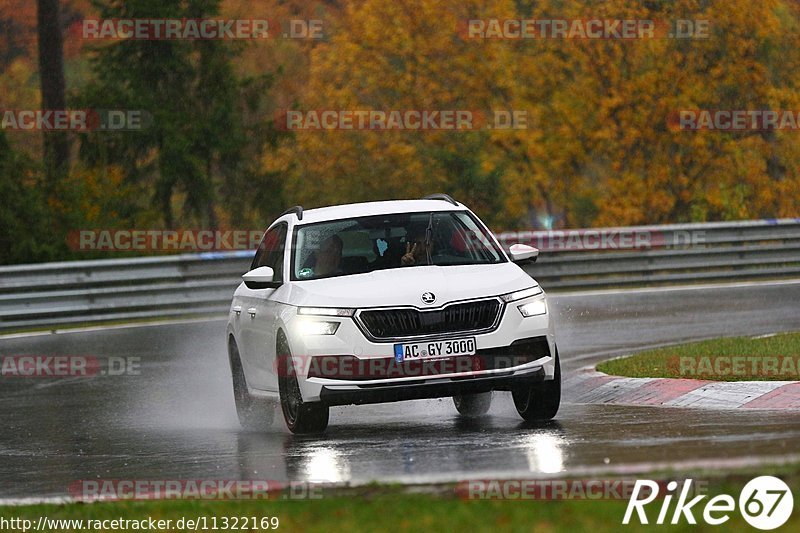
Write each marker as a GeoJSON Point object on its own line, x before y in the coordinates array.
{"type": "Point", "coordinates": [258, 317]}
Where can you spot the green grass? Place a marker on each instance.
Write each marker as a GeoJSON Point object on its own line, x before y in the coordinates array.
{"type": "Point", "coordinates": [394, 508]}
{"type": "Point", "coordinates": [767, 358]}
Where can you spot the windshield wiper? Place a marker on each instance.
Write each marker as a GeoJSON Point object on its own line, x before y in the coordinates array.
{"type": "Point", "coordinates": [428, 235]}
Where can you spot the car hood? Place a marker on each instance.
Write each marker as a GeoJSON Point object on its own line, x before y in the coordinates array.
{"type": "Point", "coordinates": [405, 286]}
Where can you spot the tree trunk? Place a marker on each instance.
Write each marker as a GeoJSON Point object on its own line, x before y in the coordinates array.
{"type": "Point", "coordinates": [51, 73]}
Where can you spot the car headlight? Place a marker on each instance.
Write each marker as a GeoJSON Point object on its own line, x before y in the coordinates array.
{"type": "Point", "coordinates": [519, 295]}
{"type": "Point", "coordinates": [534, 308]}
{"type": "Point", "coordinates": [326, 311]}
{"type": "Point", "coordinates": [317, 327]}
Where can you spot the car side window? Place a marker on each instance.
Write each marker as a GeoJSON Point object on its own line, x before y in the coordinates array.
{"type": "Point", "coordinates": [270, 251]}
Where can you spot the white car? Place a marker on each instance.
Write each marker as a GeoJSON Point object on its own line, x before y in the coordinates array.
{"type": "Point", "coordinates": [388, 301]}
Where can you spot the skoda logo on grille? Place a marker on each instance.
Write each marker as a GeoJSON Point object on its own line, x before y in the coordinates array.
{"type": "Point", "coordinates": [428, 297]}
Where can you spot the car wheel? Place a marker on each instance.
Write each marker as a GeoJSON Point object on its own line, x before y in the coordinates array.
{"type": "Point", "coordinates": [540, 401]}
{"type": "Point", "coordinates": [473, 404]}
{"type": "Point", "coordinates": [254, 413]}
{"type": "Point", "coordinates": [300, 416]}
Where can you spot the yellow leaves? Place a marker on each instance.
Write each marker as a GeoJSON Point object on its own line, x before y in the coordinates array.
{"type": "Point", "coordinates": [19, 90]}
{"type": "Point", "coordinates": [597, 111]}
{"type": "Point", "coordinates": [93, 198]}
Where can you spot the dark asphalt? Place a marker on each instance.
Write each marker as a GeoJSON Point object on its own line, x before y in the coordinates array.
{"type": "Point", "coordinates": [175, 420]}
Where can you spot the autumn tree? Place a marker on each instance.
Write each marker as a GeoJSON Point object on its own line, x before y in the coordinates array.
{"type": "Point", "coordinates": [388, 55]}
{"type": "Point", "coordinates": [51, 76]}
{"type": "Point", "coordinates": [598, 148]}
{"type": "Point", "coordinates": [196, 137]}
{"type": "Point", "coordinates": [25, 220]}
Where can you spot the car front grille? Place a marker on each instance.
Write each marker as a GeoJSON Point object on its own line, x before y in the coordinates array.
{"type": "Point", "coordinates": [453, 318]}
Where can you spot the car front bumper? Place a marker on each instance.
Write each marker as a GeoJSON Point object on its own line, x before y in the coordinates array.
{"type": "Point", "coordinates": [496, 365]}
{"type": "Point", "coordinates": [429, 388]}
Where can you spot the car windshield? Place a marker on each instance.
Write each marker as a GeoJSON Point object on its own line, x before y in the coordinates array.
{"type": "Point", "coordinates": [365, 244]}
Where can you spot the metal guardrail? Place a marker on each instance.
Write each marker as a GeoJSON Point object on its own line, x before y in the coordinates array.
{"type": "Point", "coordinates": [199, 284]}
{"type": "Point", "coordinates": [673, 254]}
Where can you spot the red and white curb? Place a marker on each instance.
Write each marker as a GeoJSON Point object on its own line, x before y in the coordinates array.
{"type": "Point", "coordinates": [589, 386]}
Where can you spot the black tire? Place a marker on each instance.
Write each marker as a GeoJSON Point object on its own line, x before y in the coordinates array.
{"type": "Point", "coordinates": [254, 413]}
{"type": "Point", "coordinates": [473, 405]}
{"type": "Point", "coordinates": [301, 417]}
{"type": "Point", "coordinates": [540, 401]}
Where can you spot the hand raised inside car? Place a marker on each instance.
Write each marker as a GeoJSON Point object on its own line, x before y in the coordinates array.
{"type": "Point", "coordinates": [409, 258]}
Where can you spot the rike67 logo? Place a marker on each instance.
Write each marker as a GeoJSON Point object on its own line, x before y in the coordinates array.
{"type": "Point", "coordinates": [765, 503]}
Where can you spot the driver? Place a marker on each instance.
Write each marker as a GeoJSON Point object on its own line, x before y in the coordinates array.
{"type": "Point", "coordinates": [329, 256]}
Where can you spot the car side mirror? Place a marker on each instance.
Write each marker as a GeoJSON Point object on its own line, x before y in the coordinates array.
{"type": "Point", "coordinates": [260, 278]}
{"type": "Point", "coordinates": [522, 253]}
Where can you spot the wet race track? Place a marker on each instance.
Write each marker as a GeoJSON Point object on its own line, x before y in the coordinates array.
{"type": "Point", "coordinates": [176, 420]}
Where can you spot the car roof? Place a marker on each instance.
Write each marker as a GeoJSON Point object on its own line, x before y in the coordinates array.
{"type": "Point", "coordinates": [366, 209]}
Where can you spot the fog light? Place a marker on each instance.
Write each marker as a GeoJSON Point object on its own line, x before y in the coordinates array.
{"type": "Point", "coordinates": [534, 308]}
{"type": "Point", "coordinates": [314, 327]}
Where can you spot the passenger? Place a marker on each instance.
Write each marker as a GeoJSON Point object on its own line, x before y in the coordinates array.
{"type": "Point", "coordinates": [416, 251]}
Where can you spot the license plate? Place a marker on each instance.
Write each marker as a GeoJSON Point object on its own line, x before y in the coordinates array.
{"type": "Point", "coordinates": [434, 349]}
